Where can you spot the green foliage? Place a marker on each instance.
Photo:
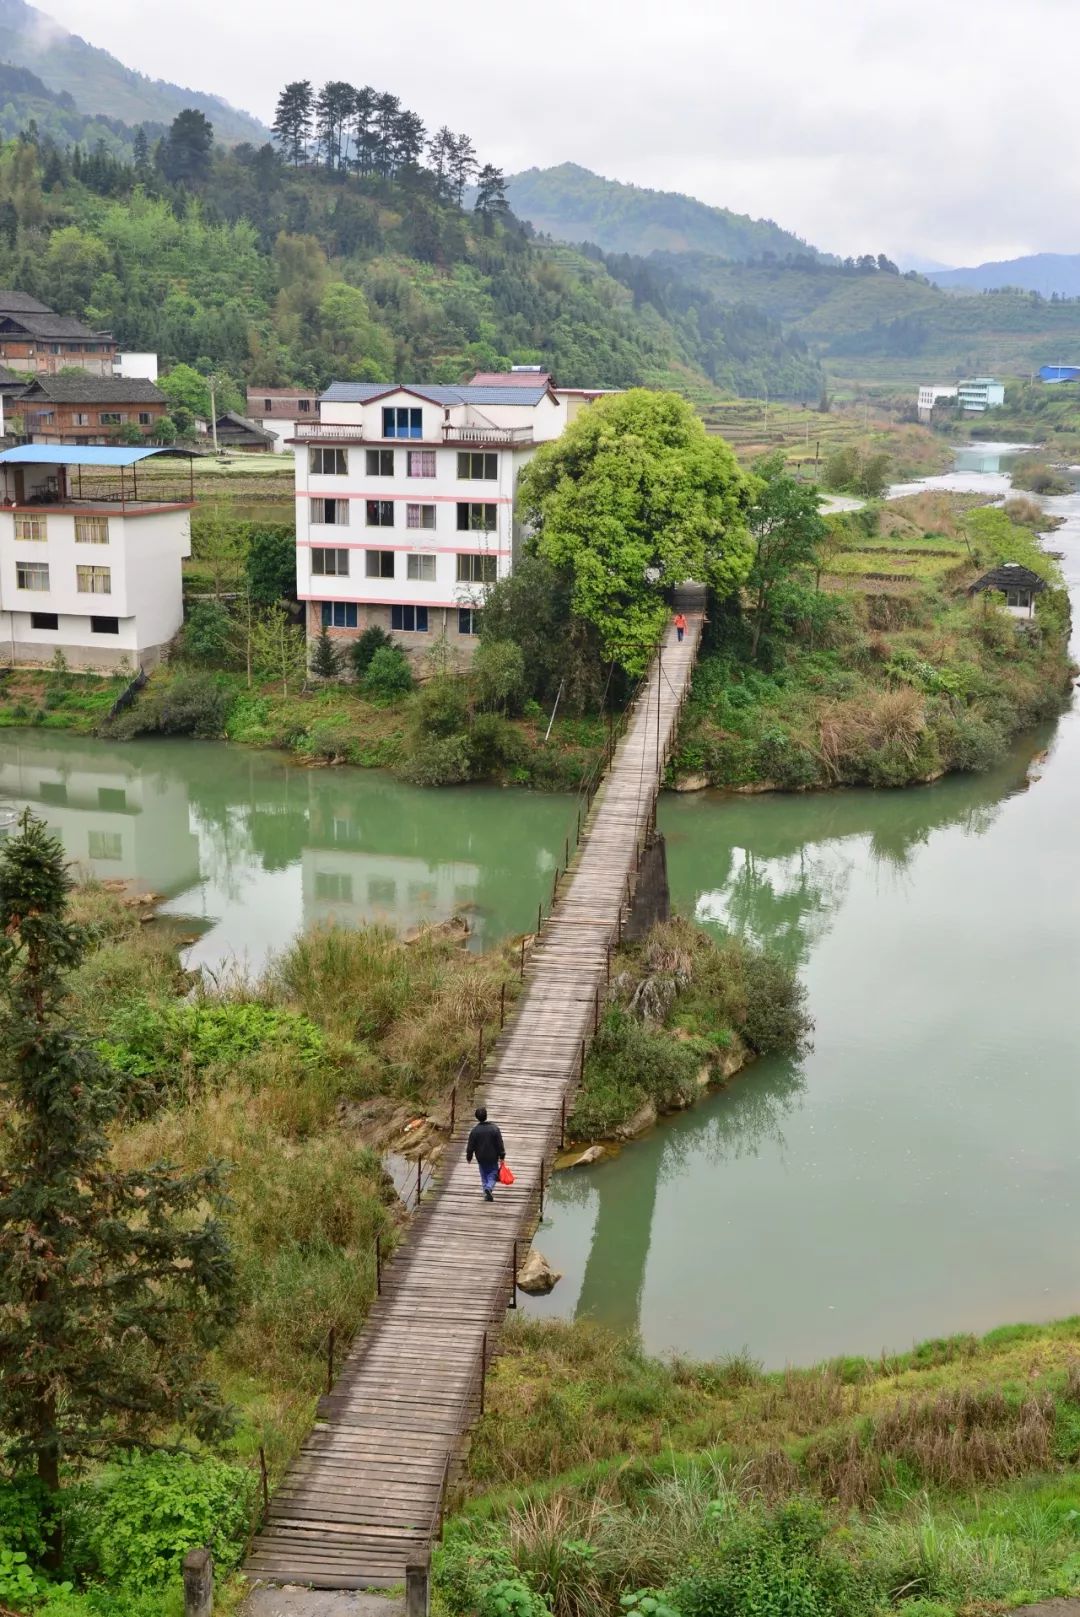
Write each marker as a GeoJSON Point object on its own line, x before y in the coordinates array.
{"type": "Point", "coordinates": [188, 704]}
{"type": "Point", "coordinates": [144, 1515]}
{"type": "Point", "coordinates": [108, 1312]}
{"type": "Point", "coordinates": [167, 1044]}
{"type": "Point", "coordinates": [388, 674]}
{"type": "Point", "coordinates": [498, 675]}
{"type": "Point", "coordinates": [787, 530]}
{"type": "Point", "coordinates": [279, 648]}
{"type": "Point", "coordinates": [561, 652]}
{"type": "Point", "coordinates": [629, 1063]}
{"type": "Point", "coordinates": [367, 643]}
{"type": "Point", "coordinates": [325, 656]}
{"type": "Point", "coordinates": [778, 1564]}
{"type": "Point", "coordinates": [855, 471]}
{"type": "Point", "coordinates": [270, 565]}
{"type": "Point", "coordinates": [26, 1510]}
{"type": "Point", "coordinates": [438, 761]}
{"type": "Point", "coordinates": [207, 633]}
{"type": "Point", "coordinates": [1036, 478]}
{"type": "Point", "coordinates": [635, 486]}
{"type": "Point", "coordinates": [185, 389]}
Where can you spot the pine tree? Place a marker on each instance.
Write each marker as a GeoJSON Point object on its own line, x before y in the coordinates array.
{"type": "Point", "coordinates": [491, 203]}
{"type": "Point", "coordinates": [293, 120]}
{"type": "Point", "coordinates": [325, 656]}
{"type": "Point", "coordinates": [114, 1282]}
{"type": "Point", "coordinates": [440, 150]}
{"type": "Point", "coordinates": [363, 110]}
{"type": "Point", "coordinates": [142, 156]}
{"type": "Point", "coordinates": [409, 138]}
{"type": "Point", "coordinates": [333, 109]}
{"type": "Point", "coordinates": [387, 110]}
{"type": "Point", "coordinates": [462, 166]}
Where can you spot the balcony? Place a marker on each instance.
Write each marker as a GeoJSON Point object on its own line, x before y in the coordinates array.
{"type": "Point", "coordinates": [329, 430]}
{"type": "Point", "coordinates": [487, 436]}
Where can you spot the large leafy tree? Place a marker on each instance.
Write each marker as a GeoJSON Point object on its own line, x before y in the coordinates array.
{"type": "Point", "coordinates": [634, 497]}
{"type": "Point", "coordinates": [114, 1282]}
{"type": "Point", "coordinates": [788, 530]}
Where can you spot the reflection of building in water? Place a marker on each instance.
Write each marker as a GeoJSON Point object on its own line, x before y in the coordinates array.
{"type": "Point", "coordinates": [115, 821]}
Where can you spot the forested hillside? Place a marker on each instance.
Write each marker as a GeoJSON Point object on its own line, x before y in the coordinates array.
{"type": "Point", "coordinates": [98, 83]}
{"type": "Point", "coordinates": [297, 272]}
{"type": "Point", "coordinates": [573, 204]}
{"type": "Point", "coordinates": [26, 103]}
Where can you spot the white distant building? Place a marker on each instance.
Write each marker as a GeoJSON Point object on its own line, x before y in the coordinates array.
{"type": "Point", "coordinates": [979, 394]}
{"type": "Point", "coordinates": [88, 565]}
{"type": "Point", "coordinates": [281, 411]}
{"type": "Point", "coordinates": [143, 367]}
{"type": "Point", "coordinates": [405, 500]}
{"type": "Point", "coordinates": [929, 396]}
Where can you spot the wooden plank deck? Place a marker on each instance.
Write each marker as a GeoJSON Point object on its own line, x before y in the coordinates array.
{"type": "Point", "coordinates": [364, 1497]}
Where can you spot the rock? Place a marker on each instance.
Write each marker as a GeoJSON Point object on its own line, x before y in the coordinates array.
{"type": "Point", "coordinates": [536, 1276]}
{"type": "Point", "coordinates": [754, 788]}
{"type": "Point", "coordinates": [642, 1120]}
{"type": "Point", "coordinates": [453, 930]}
{"type": "Point", "coordinates": [732, 1060]}
{"type": "Point", "coordinates": [691, 783]}
{"type": "Point", "coordinates": [592, 1154]}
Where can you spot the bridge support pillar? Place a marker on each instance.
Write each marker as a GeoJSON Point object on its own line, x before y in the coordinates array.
{"type": "Point", "coordinates": [652, 900]}
{"type": "Point", "coordinates": [418, 1587]}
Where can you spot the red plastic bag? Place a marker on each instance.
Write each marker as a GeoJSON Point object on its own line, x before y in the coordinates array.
{"type": "Point", "coordinates": [505, 1176]}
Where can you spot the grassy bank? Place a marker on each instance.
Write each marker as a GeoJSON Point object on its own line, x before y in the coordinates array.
{"type": "Point", "coordinates": [886, 673]}
{"type": "Point", "coordinates": [935, 1483]}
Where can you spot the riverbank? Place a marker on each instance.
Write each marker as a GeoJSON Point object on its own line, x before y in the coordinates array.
{"type": "Point", "coordinates": [888, 673]}
{"type": "Point", "coordinates": [930, 1483]}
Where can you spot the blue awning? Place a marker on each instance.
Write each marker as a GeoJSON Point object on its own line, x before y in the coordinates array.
{"type": "Point", "coordinates": [86, 455]}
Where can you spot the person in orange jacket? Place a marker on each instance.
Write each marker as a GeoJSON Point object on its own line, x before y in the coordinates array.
{"type": "Point", "coordinates": [680, 625]}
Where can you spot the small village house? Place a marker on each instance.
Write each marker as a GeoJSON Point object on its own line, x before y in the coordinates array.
{"type": "Point", "coordinates": [280, 410]}
{"type": "Point", "coordinates": [78, 408]}
{"type": "Point", "coordinates": [1019, 585]}
{"type": "Point", "coordinates": [90, 565]}
{"type": "Point", "coordinates": [37, 342]}
{"type": "Point", "coordinates": [237, 432]}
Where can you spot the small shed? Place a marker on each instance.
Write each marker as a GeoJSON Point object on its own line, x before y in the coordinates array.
{"type": "Point", "coordinates": [1019, 585]}
{"type": "Point", "coordinates": [237, 432]}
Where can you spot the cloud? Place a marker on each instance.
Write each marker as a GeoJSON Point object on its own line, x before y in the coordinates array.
{"type": "Point", "coordinates": [889, 126]}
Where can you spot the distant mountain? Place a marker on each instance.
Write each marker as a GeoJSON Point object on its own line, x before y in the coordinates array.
{"type": "Point", "coordinates": [1039, 272]}
{"type": "Point", "coordinates": [25, 100]}
{"type": "Point", "coordinates": [100, 84]}
{"type": "Point", "coordinates": [573, 204]}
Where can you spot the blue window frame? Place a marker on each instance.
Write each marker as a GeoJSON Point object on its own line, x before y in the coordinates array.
{"type": "Point", "coordinates": [399, 421]}
{"type": "Point", "coordinates": [410, 619]}
{"type": "Point", "coordinates": [339, 614]}
{"type": "Point", "coordinates": [468, 620]}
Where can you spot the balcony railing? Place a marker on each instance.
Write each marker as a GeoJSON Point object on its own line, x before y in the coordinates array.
{"type": "Point", "coordinates": [487, 435]}
{"type": "Point", "coordinates": [328, 429]}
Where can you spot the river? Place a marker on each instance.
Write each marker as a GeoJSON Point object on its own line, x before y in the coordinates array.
{"type": "Point", "coordinates": [914, 1175]}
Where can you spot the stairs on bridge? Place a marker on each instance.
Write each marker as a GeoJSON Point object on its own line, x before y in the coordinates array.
{"type": "Point", "coordinates": [364, 1498]}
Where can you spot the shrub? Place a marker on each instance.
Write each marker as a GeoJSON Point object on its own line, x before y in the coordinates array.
{"type": "Point", "coordinates": [631, 1062]}
{"type": "Point", "coordinates": [388, 674]}
{"type": "Point", "coordinates": [781, 1565]}
{"type": "Point", "coordinates": [498, 672]}
{"type": "Point", "coordinates": [189, 704]}
{"type": "Point", "coordinates": [365, 646]}
{"type": "Point", "coordinates": [146, 1514]}
{"type": "Point", "coordinates": [438, 761]}
{"type": "Point", "coordinates": [206, 633]}
{"type": "Point", "coordinates": [270, 564]}
{"type": "Point", "coordinates": [494, 745]}
{"type": "Point", "coordinates": [441, 708]}
{"type": "Point", "coordinates": [25, 1504]}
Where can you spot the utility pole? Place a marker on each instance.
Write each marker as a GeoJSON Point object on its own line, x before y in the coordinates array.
{"type": "Point", "coordinates": [212, 380]}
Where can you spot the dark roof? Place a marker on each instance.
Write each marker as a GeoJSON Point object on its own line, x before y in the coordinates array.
{"type": "Point", "coordinates": [52, 327]}
{"type": "Point", "coordinates": [20, 303]}
{"type": "Point", "coordinates": [240, 423]}
{"type": "Point", "coordinates": [281, 392]}
{"type": "Point", "coordinates": [1009, 576]}
{"type": "Point", "coordinates": [9, 379]}
{"type": "Point", "coordinates": [80, 387]}
{"type": "Point", "coordinates": [527, 377]}
{"type": "Point", "coordinates": [366, 392]}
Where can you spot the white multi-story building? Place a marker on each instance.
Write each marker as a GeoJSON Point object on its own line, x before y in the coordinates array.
{"type": "Point", "coordinates": [88, 565]}
{"type": "Point", "coordinates": [980, 393]}
{"type": "Point", "coordinates": [405, 500]}
{"type": "Point", "coordinates": [929, 396]}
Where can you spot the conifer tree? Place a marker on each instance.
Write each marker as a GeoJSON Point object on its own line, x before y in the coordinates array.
{"type": "Point", "coordinates": [325, 656]}
{"type": "Point", "coordinates": [114, 1282]}
{"type": "Point", "coordinates": [293, 118]}
{"type": "Point", "coordinates": [491, 203]}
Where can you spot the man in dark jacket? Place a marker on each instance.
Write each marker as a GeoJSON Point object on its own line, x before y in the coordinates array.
{"type": "Point", "coordinates": [486, 1145]}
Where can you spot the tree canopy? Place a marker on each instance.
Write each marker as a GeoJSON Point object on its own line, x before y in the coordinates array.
{"type": "Point", "coordinates": [633, 498]}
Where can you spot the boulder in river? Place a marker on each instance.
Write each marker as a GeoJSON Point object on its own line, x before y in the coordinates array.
{"type": "Point", "coordinates": [536, 1276]}
{"type": "Point", "coordinates": [642, 1120]}
{"type": "Point", "coordinates": [592, 1154]}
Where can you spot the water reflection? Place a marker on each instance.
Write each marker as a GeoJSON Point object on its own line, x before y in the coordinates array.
{"type": "Point", "coordinates": [248, 848]}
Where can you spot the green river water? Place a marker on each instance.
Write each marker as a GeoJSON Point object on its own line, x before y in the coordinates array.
{"type": "Point", "coordinates": [914, 1175]}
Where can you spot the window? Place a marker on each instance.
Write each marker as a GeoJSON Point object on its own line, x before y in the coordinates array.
{"type": "Point", "coordinates": [44, 620]}
{"type": "Point", "coordinates": [330, 563]}
{"type": "Point", "coordinates": [477, 518]}
{"type": "Point", "coordinates": [380, 463]}
{"type": "Point", "coordinates": [1018, 598]}
{"type": "Point", "coordinates": [329, 462]}
{"type": "Point", "coordinates": [113, 798]}
{"type": "Point", "coordinates": [468, 620]}
{"type": "Point", "coordinates": [145, 418]}
{"type": "Point", "coordinates": [330, 513]}
{"type": "Point", "coordinates": [421, 569]}
{"type": "Point", "coordinates": [332, 887]}
{"type": "Point", "coordinates": [421, 463]}
{"type": "Point", "coordinates": [420, 516]}
{"type": "Point", "coordinates": [378, 563]}
{"type": "Point", "coordinates": [339, 614]}
{"type": "Point", "coordinates": [477, 569]}
{"type": "Point", "coordinates": [305, 406]}
{"type": "Point", "coordinates": [104, 625]}
{"type": "Point", "coordinates": [409, 619]}
{"type": "Point", "coordinates": [80, 418]}
{"type": "Point", "coordinates": [91, 530]}
{"type": "Point", "coordinates": [93, 580]}
{"type": "Point", "coordinates": [402, 423]}
{"type": "Point", "coordinates": [380, 513]}
{"type": "Point", "coordinates": [105, 845]}
{"type": "Point", "coordinates": [27, 527]}
{"type": "Point", "coordinates": [31, 575]}
{"type": "Point", "coordinates": [482, 466]}
{"type": "Point", "coordinates": [112, 418]}
{"type": "Point", "coordinates": [53, 791]}
{"type": "Point", "coordinates": [268, 405]}
{"type": "Point", "coordinates": [381, 890]}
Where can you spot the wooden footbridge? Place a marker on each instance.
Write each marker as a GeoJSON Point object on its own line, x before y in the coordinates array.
{"type": "Point", "coordinates": [363, 1502]}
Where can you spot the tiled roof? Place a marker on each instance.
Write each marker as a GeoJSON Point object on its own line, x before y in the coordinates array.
{"type": "Point", "coordinates": [1009, 576]}
{"type": "Point", "coordinates": [526, 378]}
{"type": "Point", "coordinates": [231, 418]}
{"type": "Point", "coordinates": [50, 327]}
{"type": "Point", "coordinates": [20, 303]}
{"type": "Point", "coordinates": [465, 393]}
{"type": "Point", "coordinates": [83, 388]}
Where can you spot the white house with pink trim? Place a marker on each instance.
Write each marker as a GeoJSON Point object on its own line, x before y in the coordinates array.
{"type": "Point", "coordinates": [405, 501]}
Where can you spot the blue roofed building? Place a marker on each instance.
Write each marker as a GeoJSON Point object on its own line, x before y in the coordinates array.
{"type": "Point", "coordinates": [1059, 373]}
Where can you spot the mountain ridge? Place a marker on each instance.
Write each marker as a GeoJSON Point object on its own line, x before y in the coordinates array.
{"type": "Point", "coordinates": [1048, 273]}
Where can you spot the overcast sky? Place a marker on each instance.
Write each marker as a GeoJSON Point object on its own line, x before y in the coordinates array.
{"type": "Point", "coordinates": [887, 125]}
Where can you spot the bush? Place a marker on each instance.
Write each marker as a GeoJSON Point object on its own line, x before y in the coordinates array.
{"type": "Point", "coordinates": [441, 708]}
{"type": "Point", "coordinates": [439, 761]}
{"type": "Point", "coordinates": [188, 705]}
{"type": "Point", "coordinates": [144, 1515]}
{"type": "Point", "coordinates": [779, 1565]}
{"type": "Point", "coordinates": [25, 1505]}
{"type": "Point", "coordinates": [498, 672]}
{"type": "Point", "coordinates": [206, 633]}
{"type": "Point", "coordinates": [270, 564]}
{"type": "Point", "coordinates": [388, 674]}
{"type": "Point", "coordinates": [631, 1062]}
{"type": "Point", "coordinates": [494, 745]}
{"type": "Point", "coordinates": [365, 646]}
